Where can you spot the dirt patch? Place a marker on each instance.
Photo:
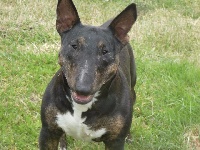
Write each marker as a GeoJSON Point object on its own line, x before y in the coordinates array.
{"type": "Point", "coordinates": [192, 139]}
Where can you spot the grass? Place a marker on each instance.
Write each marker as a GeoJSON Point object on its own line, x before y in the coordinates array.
{"type": "Point", "coordinates": [166, 40]}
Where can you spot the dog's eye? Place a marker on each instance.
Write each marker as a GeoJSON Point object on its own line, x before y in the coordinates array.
{"type": "Point", "coordinates": [74, 46]}
{"type": "Point", "coordinates": [104, 51]}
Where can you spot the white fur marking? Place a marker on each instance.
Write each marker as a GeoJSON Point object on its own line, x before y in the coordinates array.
{"type": "Point", "coordinates": [84, 70]}
{"type": "Point", "coordinates": [74, 125]}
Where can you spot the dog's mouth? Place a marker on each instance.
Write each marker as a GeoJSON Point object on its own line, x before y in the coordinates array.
{"type": "Point", "coordinates": [81, 99]}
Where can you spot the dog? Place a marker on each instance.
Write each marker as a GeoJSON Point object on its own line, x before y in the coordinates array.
{"type": "Point", "coordinates": [91, 96]}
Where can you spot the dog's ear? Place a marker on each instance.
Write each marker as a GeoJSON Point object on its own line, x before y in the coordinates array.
{"type": "Point", "coordinates": [67, 15]}
{"type": "Point", "coordinates": [122, 24]}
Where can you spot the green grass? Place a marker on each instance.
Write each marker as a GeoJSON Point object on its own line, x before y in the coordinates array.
{"type": "Point", "coordinates": [166, 39]}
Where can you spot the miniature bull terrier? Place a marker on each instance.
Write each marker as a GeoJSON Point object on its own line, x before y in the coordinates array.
{"type": "Point", "coordinates": [91, 96]}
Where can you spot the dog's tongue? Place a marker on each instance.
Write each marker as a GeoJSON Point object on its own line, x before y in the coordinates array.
{"type": "Point", "coordinates": [81, 99]}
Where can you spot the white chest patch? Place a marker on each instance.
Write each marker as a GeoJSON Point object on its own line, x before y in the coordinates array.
{"type": "Point", "coordinates": [74, 126]}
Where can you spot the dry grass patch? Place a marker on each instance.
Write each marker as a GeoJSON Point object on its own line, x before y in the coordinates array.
{"type": "Point", "coordinates": [192, 139]}
{"type": "Point", "coordinates": [17, 13]}
{"type": "Point", "coordinates": [166, 34]}
{"type": "Point", "coordinates": [40, 48]}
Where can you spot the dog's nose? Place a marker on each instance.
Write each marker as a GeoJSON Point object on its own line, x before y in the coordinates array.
{"type": "Point", "coordinates": [83, 89]}
{"type": "Point", "coordinates": [85, 78]}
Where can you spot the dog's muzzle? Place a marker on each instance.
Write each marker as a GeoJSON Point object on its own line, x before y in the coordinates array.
{"type": "Point", "coordinates": [81, 99]}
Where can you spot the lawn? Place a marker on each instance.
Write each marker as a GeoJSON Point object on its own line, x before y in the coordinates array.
{"type": "Point", "coordinates": [166, 42]}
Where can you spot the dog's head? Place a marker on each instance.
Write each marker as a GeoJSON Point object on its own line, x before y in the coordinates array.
{"type": "Point", "coordinates": [89, 55]}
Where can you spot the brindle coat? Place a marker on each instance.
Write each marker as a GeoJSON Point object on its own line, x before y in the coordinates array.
{"type": "Point", "coordinates": [93, 60]}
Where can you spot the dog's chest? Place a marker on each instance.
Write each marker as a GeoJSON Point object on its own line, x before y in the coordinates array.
{"type": "Point", "coordinates": [73, 125]}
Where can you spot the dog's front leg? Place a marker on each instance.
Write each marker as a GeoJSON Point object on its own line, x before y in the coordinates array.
{"type": "Point", "coordinates": [49, 139]}
{"type": "Point", "coordinates": [115, 144]}
{"type": "Point", "coordinates": [63, 143]}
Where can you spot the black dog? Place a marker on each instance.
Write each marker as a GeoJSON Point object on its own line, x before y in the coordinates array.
{"type": "Point", "coordinates": [91, 97]}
